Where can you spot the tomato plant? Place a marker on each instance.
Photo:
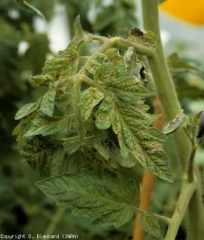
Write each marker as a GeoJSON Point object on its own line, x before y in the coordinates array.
{"type": "Point", "coordinates": [90, 134]}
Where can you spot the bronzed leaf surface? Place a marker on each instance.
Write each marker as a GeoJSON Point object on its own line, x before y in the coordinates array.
{"type": "Point", "coordinates": [63, 64]}
{"type": "Point", "coordinates": [93, 123]}
{"type": "Point", "coordinates": [90, 98]}
{"type": "Point", "coordinates": [126, 113]}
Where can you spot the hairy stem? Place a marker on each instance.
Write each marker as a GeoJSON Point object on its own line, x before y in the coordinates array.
{"type": "Point", "coordinates": [187, 191]}
{"type": "Point", "coordinates": [190, 170]}
{"type": "Point", "coordinates": [196, 216]}
{"type": "Point", "coordinates": [163, 81]}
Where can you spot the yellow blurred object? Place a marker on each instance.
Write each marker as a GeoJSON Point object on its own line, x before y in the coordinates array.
{"type": "Point", "coordinates": [187, 10]}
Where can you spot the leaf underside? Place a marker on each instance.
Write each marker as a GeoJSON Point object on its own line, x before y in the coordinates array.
{"type": "Point", "coordinates": [106, 201]}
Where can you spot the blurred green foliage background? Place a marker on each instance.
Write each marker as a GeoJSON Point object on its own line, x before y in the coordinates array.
{"type": "Point", "coordinates": [23, 209]}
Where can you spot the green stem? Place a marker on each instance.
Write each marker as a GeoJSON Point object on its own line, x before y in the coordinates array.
{"type": "Point", "coordinates": [100, 38]}
{"type": "Point", "coordinates": [187, 191]}
{"type": "Point", "coordinates": [55, 220]}
{"type": "Point", "coordinates": [123, 43]}
{"type": "Point", "coordinates": [163, 81]}
{"type": "Point", "coordinates": [168, 97]}
{"type": "Point", "coordinates": [93, 83]}
{"type": "Point", "coordinates": [191, 161]}
{"type": "Point", "coordinates": [196, 214]}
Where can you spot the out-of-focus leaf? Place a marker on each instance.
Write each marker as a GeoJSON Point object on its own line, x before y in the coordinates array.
{"type": "Point", "coordinates": [39, 80]}
{"type": "Point", "coordinates": [107, 201]}
{"type": "Point", "coordinates": [76, 162]}
{"type": "Point", "coordinates": [26, 5]}
{"type": "Point", "coordinates": [26, 110]}
{"type": "Point", "coordinates": [150, 224]}
{"type": "Point", "coordinates": [178, 65]}
{"type": "Point", "coordinates": [43, 154]}
{"type": "Point", "coordinates": [161, 1]}
{"type": "Point", "coordinates": [105, 18]}
{"type": "Point", "coordinates": [102, 148]}
{"type": "Point", "coordinates": [190, 92]}
{"type": "Point", "coordinates": [57, 158]}
{"type": "Point", "coordinates": [88, 38]}
{"type": "Point", "coordinates": [79, 34]}
{"type": "Point", "coordinates": [37, 43]}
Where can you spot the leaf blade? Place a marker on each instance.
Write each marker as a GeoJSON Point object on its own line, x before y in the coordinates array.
{"type": "Point", "coordinates": [150, 224]}
{"type": "Point", "coordinates": [26, 110]}
{"type": "Point", "coordinates": [89, 99]}
{"type": "Point", "coordinates": [44, 125]}
{"type": "Point", "coordinates": [93, 197]}
{"type": "Point", "coordinates": [48, 101]}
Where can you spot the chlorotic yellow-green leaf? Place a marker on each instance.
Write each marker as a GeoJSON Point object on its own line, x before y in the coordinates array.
{"type": "Point", "coordinates": [48, 101]}
{"type": "Point", "coordinates": [63, 100]}
{"type": "Point", "coordinates": [140, 140]}
{"type": "Point", "coordinates": [127, 115]}
{"type": "Point", "coordinates": [65, 63]}
{"type": "Point", "coordinates": [106, 200]}
{"type": "Point", "coordinates": [104, 114]}
{"type": "Point", "coordinates": [92, 66]}
{"type": "Point", "coordinates": [129, 89]}
{"type": "Point", "coordinates": [88, 38]}
{"type": "Point", "coordinates": [26, 110]}
{"type": "Point", "coordinates": [89, 99]}
{"type": "Point", "coordinates": [39, 80]}
{"type": "Point", "coordinates": [44, 125]}
{"type": "Point", "coordinates": [79, 34]}
{"type": "Point", "coordinates": [113, 56]}
{"type": "Point", "coordinates": [76, 162]}
{"type": "Point", "coordinates": [150, 224]}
